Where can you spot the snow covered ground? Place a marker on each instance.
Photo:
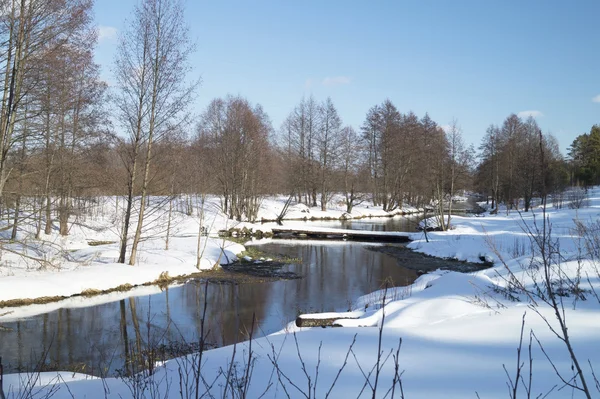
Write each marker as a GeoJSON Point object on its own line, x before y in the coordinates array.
{"type": "Point", "coordinates": [85, 261]}
{"type": "Point", "coordinates": [454, 335]}
{"type": "Point", "coordinates": [271, 208]}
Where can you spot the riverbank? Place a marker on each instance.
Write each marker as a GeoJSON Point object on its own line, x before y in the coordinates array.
{"type": "Point", "coordinates": [459, 332]}
{"type": "Point", "coordinates": [424, 263]}
{"type": "Point", "coordinates": [84, 263]}
{"type": "Point", "coordinates": [333, 275]}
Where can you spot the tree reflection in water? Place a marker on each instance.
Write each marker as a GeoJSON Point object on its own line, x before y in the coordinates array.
{"type": "Point", "coordinates": [102, 339]}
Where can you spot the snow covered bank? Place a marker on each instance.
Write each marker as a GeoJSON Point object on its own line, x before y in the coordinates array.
{"type": "Point", "coordinates": [85, 262]}
{"type": "Point", "coordinates": [452, 335]}
{"type": "Point", "coordinates": [451, 347]}
{"type": "Point", "coordinates": [336, 209]}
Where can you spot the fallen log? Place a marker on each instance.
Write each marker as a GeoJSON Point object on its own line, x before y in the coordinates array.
{"type": "Point", "coordinates": [324, 319]}
{"type": "Point", "coordinates": [321, 233]}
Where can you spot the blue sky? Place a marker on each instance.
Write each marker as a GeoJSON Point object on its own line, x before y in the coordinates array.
{"type": "Point", "coordinates": [476, 61]}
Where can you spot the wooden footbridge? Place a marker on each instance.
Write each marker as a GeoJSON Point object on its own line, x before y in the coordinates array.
{"type": "Point", "coordinates": [323, 233]}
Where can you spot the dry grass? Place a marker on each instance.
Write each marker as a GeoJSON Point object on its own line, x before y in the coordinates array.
{"type": "Point", "coordinates": [28, 301]}
{"type": "Point", "coordinates": [123, 288]}
{"type": "Point", "coordinates": [90, 292]}
{"type": "Point", "coordinates": [97, 243]}
{"type": "Point", "coordinates": [164, 280]}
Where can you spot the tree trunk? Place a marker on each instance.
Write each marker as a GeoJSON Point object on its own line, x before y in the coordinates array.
{"type": "Point", "coordinates": [128, 211]}
{"type": "Point", "coordinates": [40, 211]}
{"type": "Point", "coordinates": [63, 216]}
{"type": "Point", "coordinates": [199, 250]}
{"type": "Point", "coordinates": [169, 224]}
{"type": "Point", "coordinates": [13, 235]}
{"type": "Point", "coordinates": [156, 74]}
{"type": "Point", "coordinates": [48, 228]}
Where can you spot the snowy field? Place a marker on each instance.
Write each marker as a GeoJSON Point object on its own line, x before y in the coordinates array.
{"type": "Point", "coordinates": [449, 335]}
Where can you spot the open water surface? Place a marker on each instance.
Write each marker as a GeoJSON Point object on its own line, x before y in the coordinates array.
{"type": "Point", "coordinates": [98, 339]}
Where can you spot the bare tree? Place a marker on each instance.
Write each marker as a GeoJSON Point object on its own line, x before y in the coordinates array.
{"type": "Point", "coordinates": [151, 65]}
{"type": "Point", "coordinates": [460, 159]}
{"type": "Point", "coordinates": [350, 165]}
{"type": "Point", "coordinates": [488, 171]}
{"type": "Point", "coordinates": [328, 140]}
{"type": "Point", "coordinates": [381, 131]}
{"type": "Point", "coordinates": [30, 29]}
{"type": "Point", "coordinates": [79, 112]}
{"type": "Point", "coordinates": [510, 168]}
{"type": "Point", "coordinates": [235, 137]}
{"type": "Point", "coordinates": [511, 133]}
{"type": "Point", "coordinates": [390, 140]}
{"type": "Point", "coordinates": [300, 131]}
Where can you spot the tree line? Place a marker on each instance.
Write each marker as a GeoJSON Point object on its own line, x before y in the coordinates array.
{"type": "Point", "coordinates": [394, 159]}
{"type": "Point", "coordinates": [65, 137]}
{"type": "Point", "coordinates": [584, 154]}
{"type": "Point", "coordinates": [519, 162]}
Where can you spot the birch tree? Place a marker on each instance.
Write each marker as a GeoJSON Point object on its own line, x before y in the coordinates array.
{"type": "Point", "coordinates": [150, 67]}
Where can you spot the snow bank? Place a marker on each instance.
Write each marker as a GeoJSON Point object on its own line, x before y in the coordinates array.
{"type": "Point", "coordinates": [271, 208]}
{"type": "Point", "coordinates": [456, 334]}
{"type": "Point", "coordinates": [85, 261]}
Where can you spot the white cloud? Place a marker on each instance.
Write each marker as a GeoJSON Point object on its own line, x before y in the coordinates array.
{"type": "Point", "coordinates": [106, 33]}
{"type": "Point", "coordinates": [336, 81]}
{"type": "Point", "coordinates": [527, 114]}
{"type": "Point", "coordinates": [596, 99]}
{"type": "Point", "coordinates": [308, 84]}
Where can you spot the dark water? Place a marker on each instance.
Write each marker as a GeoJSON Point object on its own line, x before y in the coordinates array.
{"type": "Point", "coordinates": [96, 339]}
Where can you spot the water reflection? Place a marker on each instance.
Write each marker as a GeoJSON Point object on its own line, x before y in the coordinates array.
{"type": "Point", "coordinates": [99, 339]}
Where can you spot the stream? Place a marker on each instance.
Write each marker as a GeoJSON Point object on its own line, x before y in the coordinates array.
{"type": "Point", "coordinates": [98, 339]}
